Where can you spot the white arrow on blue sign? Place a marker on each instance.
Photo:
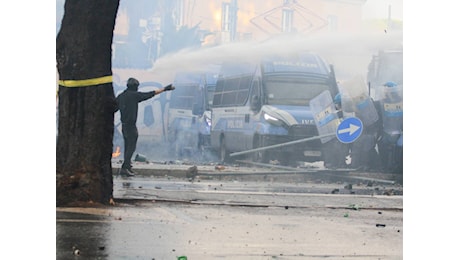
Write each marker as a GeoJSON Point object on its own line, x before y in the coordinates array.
{"type": "Point", "coordinates": [349, 130]}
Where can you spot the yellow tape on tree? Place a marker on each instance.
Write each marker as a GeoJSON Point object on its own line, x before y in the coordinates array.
{"type": "Point", "coordinates": [85, 82]}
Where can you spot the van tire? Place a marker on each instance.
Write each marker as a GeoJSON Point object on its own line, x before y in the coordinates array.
{"type": "Point", "coordinates": [223, 153]}
{"type": "Point", "coordinates": [201, 148]}
{"type": "Point", "coordinates": [260, 156]}
{"type": "Point", "coordinates": [177, 146]}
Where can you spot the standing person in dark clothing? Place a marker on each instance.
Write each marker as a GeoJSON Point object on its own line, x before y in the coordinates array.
{"type": "Point", "coordinates": [335, 152]}
{"type": "Point", "coordinates": [128, 105]}
{"type": "Point", "coordinates": [390, 97]}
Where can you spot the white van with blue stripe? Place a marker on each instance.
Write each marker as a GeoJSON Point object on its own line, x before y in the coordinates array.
{"type": "Point", "coordinates": [266, 102]}
{"type": "Point", "coordinates": [189, 113]}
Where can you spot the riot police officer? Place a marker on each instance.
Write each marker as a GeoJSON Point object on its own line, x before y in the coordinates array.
{"type": "Point", "coordinates": [390, 100]}
{"type": "Point", "coordinates": [334, 152]}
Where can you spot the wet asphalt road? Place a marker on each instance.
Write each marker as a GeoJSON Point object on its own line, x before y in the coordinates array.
{"type": "Point", "coordinates": [169, 230]}
{"type": "Point", "coordinates": [234, 218]}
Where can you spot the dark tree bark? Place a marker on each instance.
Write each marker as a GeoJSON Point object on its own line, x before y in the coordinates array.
{"type": "Point", "coordinates": [86, 112]}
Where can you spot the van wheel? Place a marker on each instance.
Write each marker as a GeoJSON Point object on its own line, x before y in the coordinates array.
{"type": "Point", "coordinates": [223, 153]}
{"type": "Point", "coordinates": [178, 145]}
{"type": "Point", "coordinates": [259, 156]}
{"type": "Point", "coordinates": [201, 147]}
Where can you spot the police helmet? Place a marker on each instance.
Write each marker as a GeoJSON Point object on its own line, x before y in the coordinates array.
{"type": "Point", "coordinates": [390, 84]}
{"type": "Point", "coordinates": [338, 99]}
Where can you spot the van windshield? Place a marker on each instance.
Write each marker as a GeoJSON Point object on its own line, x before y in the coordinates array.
{"type": "Point", "coordinates": [297, 92]}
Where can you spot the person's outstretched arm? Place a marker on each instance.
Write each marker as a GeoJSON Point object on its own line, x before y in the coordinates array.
{"type": "Point", "coordinates": [166, 88]}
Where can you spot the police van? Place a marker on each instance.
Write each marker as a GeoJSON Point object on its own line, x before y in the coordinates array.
{"type": "Point", "coordinates": [189, 114]}
{"type": "Point", "coordinates": [263, 103]}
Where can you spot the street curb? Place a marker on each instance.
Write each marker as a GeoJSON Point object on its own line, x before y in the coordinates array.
{"type": "Point", "coordinates": [160, 172]}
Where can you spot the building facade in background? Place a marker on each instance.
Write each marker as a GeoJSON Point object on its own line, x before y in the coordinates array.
{"type": "Point", "coordinates": [148, 29]}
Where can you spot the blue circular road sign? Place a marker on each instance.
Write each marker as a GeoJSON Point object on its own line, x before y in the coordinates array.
{"type": "Point", "coordinates": [349, 130]}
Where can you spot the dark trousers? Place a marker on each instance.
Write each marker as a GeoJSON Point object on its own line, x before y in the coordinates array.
{"type": "Point", "coordinates": [334, 154]}
{"type": "Point", "coordinates": [130, 136]}
{"type": "Point", "coordinates": [363, 153]}
{"type": "Point", "coordinates": [391, 156]}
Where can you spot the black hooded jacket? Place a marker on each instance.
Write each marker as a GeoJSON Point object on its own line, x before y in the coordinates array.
{"type": "Point", "coordinates": [128, 104]}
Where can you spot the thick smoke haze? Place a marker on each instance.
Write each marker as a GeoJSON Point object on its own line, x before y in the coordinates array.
{"type": "Point", "coordinates": [350, 54]}
{"type": "Point", "coordinates": [379, 9]}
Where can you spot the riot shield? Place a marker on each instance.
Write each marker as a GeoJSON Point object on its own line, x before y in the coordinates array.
{"type": "Point", "coordinates": [325, 115]}
{"type": "Point", "coordinates": [357, 102]}
{"type": "Point", "coordinates": [391, 105]}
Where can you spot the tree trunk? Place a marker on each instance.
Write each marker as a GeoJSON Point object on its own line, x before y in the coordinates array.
{"type": "Point", "coordinates": [86, 108]}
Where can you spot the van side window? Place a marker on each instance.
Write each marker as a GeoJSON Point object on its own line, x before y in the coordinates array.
{"type": "Point", "coordinates": [243, 91]}
{"type": "Point", "coordinates": [217, 99]}
{"type": "Point", "coordinates": [232, 91]}
{"type": "Point", "coordinates": [256, 89]}
{"type": "Point", "coordinates": [232, 88]}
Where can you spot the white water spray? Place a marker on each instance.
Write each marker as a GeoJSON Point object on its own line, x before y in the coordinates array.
{"type": "Point", "coordinates": [349, 53]}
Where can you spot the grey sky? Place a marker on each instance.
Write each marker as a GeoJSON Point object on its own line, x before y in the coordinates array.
{"type": "Point", "coordinates": [378, 9]}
